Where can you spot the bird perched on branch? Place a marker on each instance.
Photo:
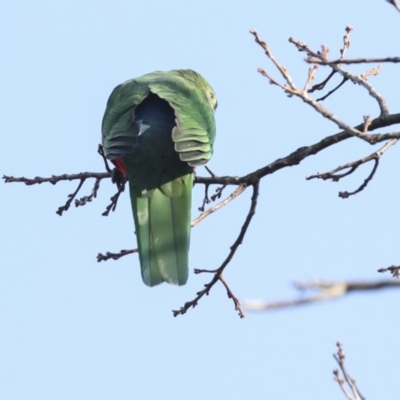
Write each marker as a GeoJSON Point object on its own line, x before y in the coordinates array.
{"type": "Point", "coordinates": [155, 130]}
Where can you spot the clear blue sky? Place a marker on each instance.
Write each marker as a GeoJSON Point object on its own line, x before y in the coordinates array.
{"type": "Point", "coordinates": [72, 328]}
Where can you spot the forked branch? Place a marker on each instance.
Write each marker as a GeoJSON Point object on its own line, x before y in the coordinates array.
{"type": "Point", "coordinates": [352, 167]}
{"type": "Point", "coordinates": [218, 272]}
{"type": "Point", "coordinates": [346, 382]}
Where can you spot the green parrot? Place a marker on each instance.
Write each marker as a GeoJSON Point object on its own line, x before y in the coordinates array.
{"type": "Point", "coordinates": [155, 130]}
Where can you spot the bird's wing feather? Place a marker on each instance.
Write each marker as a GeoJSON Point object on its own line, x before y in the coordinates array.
{"type": "Point", "coordinates": [119, 129]}
{"type": "Point", "coordinates": [194, 132]}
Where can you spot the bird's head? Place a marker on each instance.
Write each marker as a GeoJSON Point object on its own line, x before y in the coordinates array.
{"type": "Point", "coordinates": [197, 79]}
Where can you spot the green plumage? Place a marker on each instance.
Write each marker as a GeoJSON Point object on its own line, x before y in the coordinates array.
{"type": "Point", "coordinates": [158, 127]}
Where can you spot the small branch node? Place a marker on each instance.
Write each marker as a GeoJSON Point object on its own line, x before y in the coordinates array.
{"type": "Point", "coordinates": [393, 269]}
{"type": "Point", "coordinates": [115, 256]}
{"type": "Point", "coordinates": [114, 200]}
{"type": "Point", "coordinates": [71, 197]}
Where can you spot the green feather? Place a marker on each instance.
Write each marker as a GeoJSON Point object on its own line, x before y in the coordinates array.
{"type": "Point", "coordinates": [163, 229]}
{"type": "Point", "coordinates": [159, 151]}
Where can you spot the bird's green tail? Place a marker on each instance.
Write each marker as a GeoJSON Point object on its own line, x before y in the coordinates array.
{"type": "Point", "coordinates": [162, 221]}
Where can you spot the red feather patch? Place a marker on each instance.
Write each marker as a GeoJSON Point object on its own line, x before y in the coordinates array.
{"type": "Point", "coordinates": [119, 164]}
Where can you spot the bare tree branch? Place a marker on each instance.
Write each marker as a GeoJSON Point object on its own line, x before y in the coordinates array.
{"type": "Point", "coordinates": [290, 88]}
{"type": "Point", "coordinates": [352, 166]}
{"type": "Point", "coordinates": [223, 203]}
{"type": "Point", "coordinates": [70, 198]}
{"type": "Point", "coordinates": [394, 270]}
{"type": "Point", "coordinates": [355, 61]}
{"type": "Point", "coordinates": [344, 80]}
{"type": "Point", "coordinates": [362, 131]}
{"type": "Point", "coordinates": [236, 302]}
{"type": "Point", "coordinates": [201, 217]}
{"type": "Point", "coordinates": [394, 3]}
{"type": "Point", "coordinates": [351, 383]}
{"type": "Point", "coordinates": [114, 200]}
{"type": "Point", "coordinates": [314, 57]}
{"type": "Point", "coordinates": [290, 160]}
{"type": "Point", "coordinates": [321, 56]}
{"type": "Point", "coordinates": [326, 290]}
{"type": "Point", "coordinates": [57, 178]}
{"type": "Point", "coordinates": [218, 272]}
{"type": "Point", "coordinates": [115, 256]}
{"type": "Point", "coordinates": [87, 199]}
{"type": "Point", "coordinates": [100, 150]}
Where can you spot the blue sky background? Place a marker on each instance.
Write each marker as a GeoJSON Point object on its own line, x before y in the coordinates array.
{"type": "Point", "coordinates": [72, 328]}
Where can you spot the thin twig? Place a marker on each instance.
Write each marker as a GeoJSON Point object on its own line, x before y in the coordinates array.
{"type": "Point", "coordinates": [236, 302]}
{"type": "Point", "coordinates": [346, 194]}
{"type": "Point", "coordinates": [115, 256]}
{"type": "Point", "coordinates": [292, 159]}
{"type": "Point", "coordinates": [86, 199]}
{"type": "Point", "coordinates": [71, 197]}
{"type": "Point", "coordinates": [344, 80]}
{"type": "Point", "coordinates": [393, 269]}
{"type": "Point", "coordinates": [206, 199]}
{"type": "Point", "coordinates": [321, 85]}
{"type": "Point", "coordinates": [325, 290]}
{"type": "Point", "coordinates": [56, 178]}
{"type": "Point", "coordinates": [280, 68]}
{"type": "Point", "coordinates": [340, 359]}
{"type": "Point", "coordinates": [218, 192]}
{"type": "Point", "coordinates": [310, 77]}
{"type": "Point", "coordinates": [218, 272]}
{"type": "Point", "coordinates": [209, 171]}
{"type": "Point", "coordinates": [371, 72]}
{"type": "Point", "coordinates": [291, 88]}
{"type": "Point", "coordinates": [346, 41]}
{"type": "Point", "coordinates": [114, 200]}
{"type": "Point", "coordinates": [223, 203]}
{"type": "Point", "coordinates": [100, 150]}
{"type": "Point", "coordinates": [352, 166]}
{"type": "Point", "coordinates": [201, 217]}
{"type": "Point", "coordinates": [355, 61]}
{"type": "Point", "coordinates": [313, 56]}
{"type": "Point", "coordinates": [395, 4]}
